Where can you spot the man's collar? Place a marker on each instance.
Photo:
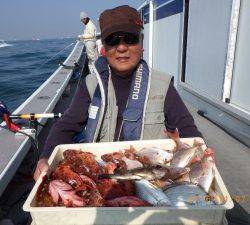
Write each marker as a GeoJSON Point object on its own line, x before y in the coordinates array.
{"type": "Point", "coordinates": [101, 64]}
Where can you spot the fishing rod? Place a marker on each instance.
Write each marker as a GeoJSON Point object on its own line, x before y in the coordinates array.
{"type": "Point", "coordinates": [51, 58]}
{"type": "Point", "coordinates": [32, 116]}
{"type": "Point", "coordinates": [7, 117]}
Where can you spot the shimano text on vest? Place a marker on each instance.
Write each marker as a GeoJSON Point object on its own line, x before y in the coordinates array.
{"type": "Point", "coordinates": [137, 86]}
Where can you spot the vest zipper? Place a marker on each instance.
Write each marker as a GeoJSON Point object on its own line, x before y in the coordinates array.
{"type": "Point", "coordinates": [102, 108]}
{"type": "Point", "coordinates": [118, 139]}
{"type": "Point", "coordinates": [125, 109]}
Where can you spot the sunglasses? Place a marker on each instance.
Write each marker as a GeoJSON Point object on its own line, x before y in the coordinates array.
{"type": "Point", "coordinates": [116, 38]}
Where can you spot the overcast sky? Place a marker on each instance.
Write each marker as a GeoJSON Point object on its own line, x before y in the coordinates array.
{"type": "Point", "coordinates": [28, 19]}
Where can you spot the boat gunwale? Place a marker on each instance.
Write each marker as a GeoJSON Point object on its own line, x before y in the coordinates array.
{"type": "Point", "coordinates": [13, 164]}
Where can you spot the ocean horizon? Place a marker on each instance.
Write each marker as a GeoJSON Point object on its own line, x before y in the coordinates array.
{"type": "Point", "coordinates": [35, 39]}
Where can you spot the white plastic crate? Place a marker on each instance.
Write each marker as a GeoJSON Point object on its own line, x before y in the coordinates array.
{"type": "Point", "coordinates": [192, 215]}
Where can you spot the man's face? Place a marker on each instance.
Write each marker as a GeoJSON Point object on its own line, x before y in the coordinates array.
{"type": "Point", "coordinates": [84, 20]}
{"type": "Point", "coordinates": [123, 52]}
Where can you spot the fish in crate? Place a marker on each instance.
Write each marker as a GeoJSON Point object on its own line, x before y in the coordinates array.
{"type": "Point", "coordinates": [130, 177]}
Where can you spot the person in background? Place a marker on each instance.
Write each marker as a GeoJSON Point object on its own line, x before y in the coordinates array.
{"type": "Point", "coordinates": [124, 99]}
{"type": "Point", "coordinates": [89, 37]}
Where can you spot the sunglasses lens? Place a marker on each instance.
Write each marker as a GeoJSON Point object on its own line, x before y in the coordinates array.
{"type": "Point", "coordinates": [113, 40]}
{"type": "Point", "coordinates": [128, 38]}
{"type": "Point", "coordinates": [131, 39]}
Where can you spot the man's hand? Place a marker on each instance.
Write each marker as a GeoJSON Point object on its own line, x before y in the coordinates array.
{"type": "Point", "coordinates": [42, 166]}
{"type": "Point", "coordinates": [80, 37]}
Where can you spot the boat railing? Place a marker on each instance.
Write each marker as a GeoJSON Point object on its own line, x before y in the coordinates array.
{"type": "Point", "coordinates": [14, 148]}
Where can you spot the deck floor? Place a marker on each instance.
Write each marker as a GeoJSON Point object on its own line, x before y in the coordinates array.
{"type": "Point", "coordinates": [232, 159]}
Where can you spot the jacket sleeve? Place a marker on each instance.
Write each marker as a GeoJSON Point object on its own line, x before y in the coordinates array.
{"type": "Point", "coordinates": [177, 115]}
{"type": "Point", "coordinates": [88, 36]}
{"type": "Point", "coordinates": [72, 121]}
{"type": "Point", "coordinates": [89, 32]}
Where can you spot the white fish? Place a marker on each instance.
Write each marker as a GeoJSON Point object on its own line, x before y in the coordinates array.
{"type": "Point", "coordinates": [162, 184]}
{"type": "Point", "coordinates": [100, 162]}
{"type": "Point", "coordinates": [150, 193]}
{"type": "Point", "coordinates": [174, 172]}
{"type": "Point", "coordinates": [156, 156]}
{"type": "Point", "coordinates": [186, 194]}
{"type": "Point", "coordinates": [200, 153]}
{"type": "Point", "coordinates": [183, 157]}
{"type": "Point", "coordinates": [206, 179]}
{"type": "Point", "coordinates": [202, 173]}
{"type": "Point", "coordinates": [145, 173]}
{"type": "Point", "coordinates": [132, 164]}
{"type": "Point", "coordinates": [148, 173]}
{"type": "Point", "coordinates": [184, 178]}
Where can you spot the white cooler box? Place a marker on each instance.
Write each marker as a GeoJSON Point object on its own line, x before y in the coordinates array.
{"type": "Point", "coordinates": [192, 215]}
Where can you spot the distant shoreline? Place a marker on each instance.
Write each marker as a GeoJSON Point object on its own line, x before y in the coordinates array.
{"type": "Point", "coordinates": [38, 39]}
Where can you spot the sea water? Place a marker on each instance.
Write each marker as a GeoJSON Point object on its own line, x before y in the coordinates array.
{"type": "Point", "coordinates": [25, 65]}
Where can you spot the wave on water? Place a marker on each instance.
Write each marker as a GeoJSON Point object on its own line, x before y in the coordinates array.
{"type": "Point", "coordinates": [25, 55]}
{"type": "Point", "coordinates": [5, 45]}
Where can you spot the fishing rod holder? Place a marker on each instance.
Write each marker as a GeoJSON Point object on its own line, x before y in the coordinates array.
{"type": "Point", "coordinates": [27, 132]}
{"type": "Point", "coordinates": [18, 128]}
{"type": "Point", "coordinates": [29, 129]}
{"type": "Point", "coordinates": [33, 123]}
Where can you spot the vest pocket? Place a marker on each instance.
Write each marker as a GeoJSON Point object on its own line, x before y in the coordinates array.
{"type": "Point", "coordinates": [155, 106]}
{"type": "Point", "coordinates": [154, 125]}
{"type": "Point", "coordinates": [132, 115]}
{"type": "Point", "coordinates": [103, 133]}
{"type": "Point", "coordinates": [154, 117]}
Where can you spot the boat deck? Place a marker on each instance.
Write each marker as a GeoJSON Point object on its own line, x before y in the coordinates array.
{"type": "Point", "coordinates": [232, 159]}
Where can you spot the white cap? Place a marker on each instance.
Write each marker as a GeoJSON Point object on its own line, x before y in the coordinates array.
{"type": "Point", "coordinates": [83, 15]}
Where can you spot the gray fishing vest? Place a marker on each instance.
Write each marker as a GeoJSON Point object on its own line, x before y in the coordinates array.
{"type": "Point", "coordinates": [153, 126]}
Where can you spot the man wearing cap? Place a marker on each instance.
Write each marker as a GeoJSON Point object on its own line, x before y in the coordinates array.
{"type": "Point", "coordinates": [89, 36]}
{"type": "Point", "coordinates": [124, 99]}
